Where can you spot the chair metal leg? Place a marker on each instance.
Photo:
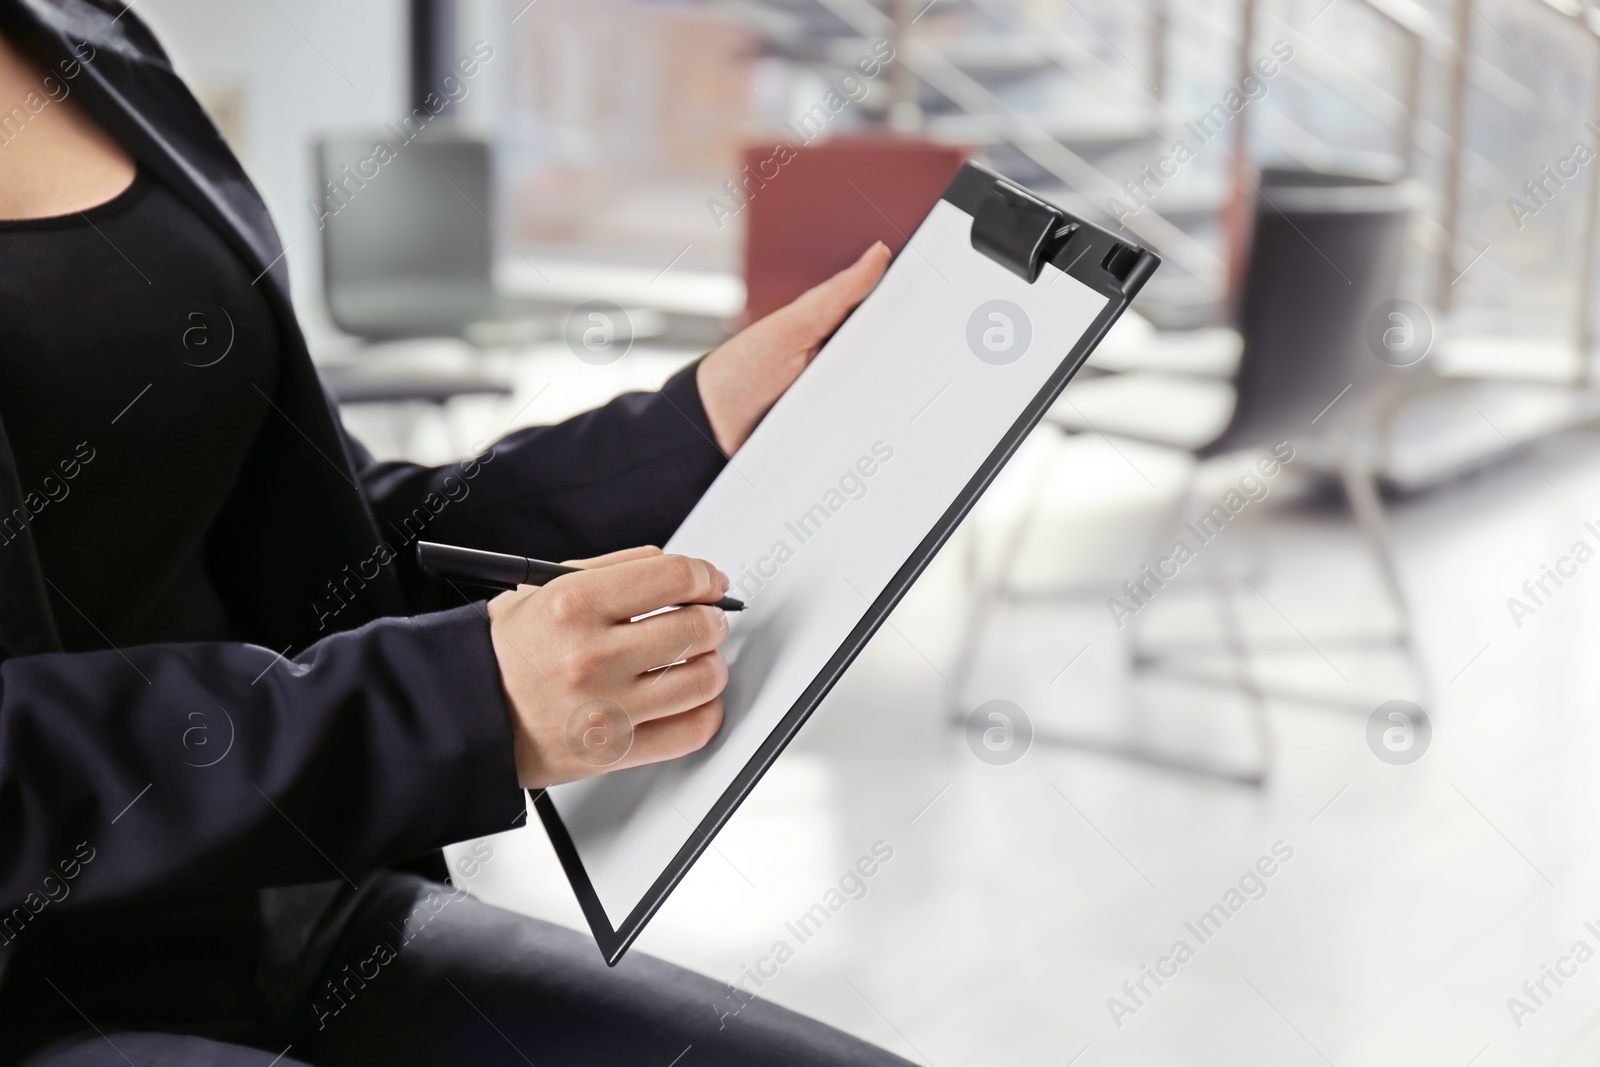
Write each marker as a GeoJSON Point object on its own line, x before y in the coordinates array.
{"type": "Point", "coordinates": [1168, 521]}
{"type": "Point", "coordinates": [1361, 489]}
{"type": "Point", "coordinates": [989, 595]}
{"type": "Point", "coordinates": [1243, 681]}
{"type": "Point", "coordinates": [1244, 676]}
{"type": "Point", "coordinates": [986, 595]}
{"type": "Point", "coordinates": [1161, 668]}
{"type": "Point", "coordinates": [1133, 752]}
{"type": "Point", "coordinates": [1359, 483]}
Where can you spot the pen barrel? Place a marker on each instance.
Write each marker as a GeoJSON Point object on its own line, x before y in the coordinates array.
{"type": "Point", "coordinates": [471, 564]}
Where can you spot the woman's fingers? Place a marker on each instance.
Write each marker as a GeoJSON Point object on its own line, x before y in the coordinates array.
{"type": "Point", "coordinates": [577, 672]}
{"type": "Point", "coordinates": [638, 586]}
{"type": "Point", "coordinates": [674, 736]}
{"type": "Point", "coordinates": [675, 689]}
{"type": "Point", "coordinates": [611, 558]}
{"type": "Point", "coordinates": [745, 375]}
{"type": "Point", "coordinates": [668, 637]}
{"type": "Point", "coordinates": [818, 311]}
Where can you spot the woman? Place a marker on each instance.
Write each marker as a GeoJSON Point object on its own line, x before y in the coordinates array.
{"type": "Point", "coordinates": [235, 723]}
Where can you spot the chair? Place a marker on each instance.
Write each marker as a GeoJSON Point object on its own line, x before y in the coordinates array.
{"type": "Point", "coordinates": [1325, 252]}
{"type": "Point", "coordinates": [407, 253]}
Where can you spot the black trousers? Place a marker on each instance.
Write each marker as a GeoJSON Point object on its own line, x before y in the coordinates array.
{"type": "Point", "coordinates": [424, 975]}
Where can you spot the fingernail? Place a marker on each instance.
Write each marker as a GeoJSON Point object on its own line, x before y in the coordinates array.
{"type": "Point", "coordinates": [725, 582]}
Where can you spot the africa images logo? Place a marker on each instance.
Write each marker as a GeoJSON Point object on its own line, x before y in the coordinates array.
{"type": "Point", "coordinates": [1398, 732]}
{"type": "Point", "coordinates": [999, 332]}
{"type": "Point", "coordinates": [999, 732]}
{"type": "Point", "coordinates": [1399, 333]}
{"type": "Point", "coordinates": [599, 332]}
{"type": "Point", "coordinates": [200, 333]}
{"type": "Point", "coordinates": [599, 733]}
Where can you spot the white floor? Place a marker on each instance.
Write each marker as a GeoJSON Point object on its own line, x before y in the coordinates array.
{"type": "Point", "coordinates": [1020, 898]}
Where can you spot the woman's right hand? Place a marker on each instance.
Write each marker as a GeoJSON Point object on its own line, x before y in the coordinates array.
{"type": "Point", "coordinates": [590, 691]}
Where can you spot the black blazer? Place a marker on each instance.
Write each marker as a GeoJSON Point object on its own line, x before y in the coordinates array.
{"type": "Point", "coordinates": [358, 729]}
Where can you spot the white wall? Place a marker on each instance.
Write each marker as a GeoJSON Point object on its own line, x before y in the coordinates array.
{"type": "Point", "coordinates": [294, 69]}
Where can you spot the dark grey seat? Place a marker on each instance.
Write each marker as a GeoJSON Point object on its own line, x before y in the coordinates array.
{"type": "Point", "coordinates": [1325, 252]}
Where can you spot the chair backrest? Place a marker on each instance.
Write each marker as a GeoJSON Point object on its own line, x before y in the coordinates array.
{"type": "Point", "coordinates": [406, 242]}
{"type": "Point", "coordinates": [811, 210]}
{"type": "Point", "coordinates": [1325, 253]}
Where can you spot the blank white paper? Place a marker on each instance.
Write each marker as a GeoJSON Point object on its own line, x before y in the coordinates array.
{"type": "Point", "coordinates": [826, 502]}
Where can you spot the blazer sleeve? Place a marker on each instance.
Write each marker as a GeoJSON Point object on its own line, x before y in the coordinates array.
{"type": "Point", "coordinates": [622, 475]}
{"type": "Point", "coordinates": [208, 767]}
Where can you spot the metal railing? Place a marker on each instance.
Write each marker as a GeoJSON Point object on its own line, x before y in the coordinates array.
{"type": "Point", "coordinates": [1026, 135]}
{"type": "Point", "coordinates": [1432, 145]}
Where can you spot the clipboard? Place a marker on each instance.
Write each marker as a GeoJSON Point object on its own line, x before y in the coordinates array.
{"type": "Point", "coordinates": [856, 478]}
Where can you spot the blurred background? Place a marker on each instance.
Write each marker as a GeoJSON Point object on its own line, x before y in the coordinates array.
{"type": "Point", "coordinates": [1360, 392]}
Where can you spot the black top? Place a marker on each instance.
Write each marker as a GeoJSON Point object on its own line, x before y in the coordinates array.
{"type": "Point", "coordinates": [135, 369]}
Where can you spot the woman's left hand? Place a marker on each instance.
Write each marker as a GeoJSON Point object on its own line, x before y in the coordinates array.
{"type": "Point", "coordinates": [746, 375]}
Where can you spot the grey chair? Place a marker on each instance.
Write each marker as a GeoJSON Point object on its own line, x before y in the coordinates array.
{"type": "Point", "coordinates": [1325, 252]}
{"type": "Point", "coordinates": [407, 252]}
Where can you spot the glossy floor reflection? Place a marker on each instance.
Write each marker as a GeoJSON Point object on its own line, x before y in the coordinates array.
{"type": "Point", "coordinates": [1020, 899]}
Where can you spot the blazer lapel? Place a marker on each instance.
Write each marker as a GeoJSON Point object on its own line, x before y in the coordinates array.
{"type": "Point", "coordinates": [27, 625]}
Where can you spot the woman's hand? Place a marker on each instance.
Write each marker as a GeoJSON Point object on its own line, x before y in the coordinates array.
{"type": "Point", "coordinates": [748, 373]}
{"type": "Point", "coordinates": [588, 690]}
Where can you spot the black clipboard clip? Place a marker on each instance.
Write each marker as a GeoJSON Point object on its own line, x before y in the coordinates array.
{"type": "Point", "coordinates": [1021, 233]}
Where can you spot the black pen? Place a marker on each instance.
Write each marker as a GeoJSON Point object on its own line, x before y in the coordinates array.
{"type": "Point", "coordinates": [498, 570]}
